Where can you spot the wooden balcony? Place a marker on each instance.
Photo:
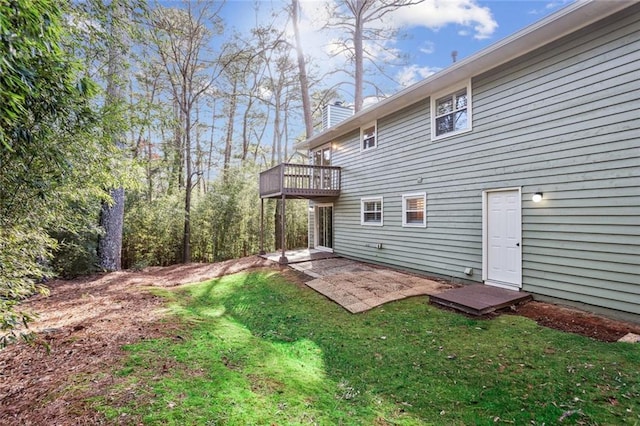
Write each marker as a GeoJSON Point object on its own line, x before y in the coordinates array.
{"type": "Point", "coordinates": [300, 181]}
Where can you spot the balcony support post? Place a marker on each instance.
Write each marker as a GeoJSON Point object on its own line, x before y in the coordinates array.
{"type": "Point", "coordinates": [283, 259]}
{"type": "Point", "coordinates": [262, 227]}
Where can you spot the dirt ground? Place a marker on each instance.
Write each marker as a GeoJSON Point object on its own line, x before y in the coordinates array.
{"type": "Point", "coordinates": [86, 321]}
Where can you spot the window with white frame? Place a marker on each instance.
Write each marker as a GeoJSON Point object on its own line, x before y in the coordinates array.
{"type": "Point", "coordinates": [368, 136]}
{"type": "Point", "coordinates": [451, 113]}
{"type": "Point", "coordinates": [371, 211]}
{"type": "Point", "coordinates": [414, 210]}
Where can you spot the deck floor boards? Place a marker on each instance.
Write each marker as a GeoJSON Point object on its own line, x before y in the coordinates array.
{"type": "Point", "coordinates": [479, 299]}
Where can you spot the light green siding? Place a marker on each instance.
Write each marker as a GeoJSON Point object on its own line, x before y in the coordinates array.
{"type": "Point", "coordinates": [563, 120]}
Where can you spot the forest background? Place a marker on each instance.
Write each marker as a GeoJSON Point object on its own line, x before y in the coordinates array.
{"type": "Point", "coordinates": [133, 134]}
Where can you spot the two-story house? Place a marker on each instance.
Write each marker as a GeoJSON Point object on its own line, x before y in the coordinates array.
{"type": "Point", "coordinates": [516, 167]}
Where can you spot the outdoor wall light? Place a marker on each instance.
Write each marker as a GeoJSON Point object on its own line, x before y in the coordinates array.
{"type": "Point", "coordinates": [537, 197]}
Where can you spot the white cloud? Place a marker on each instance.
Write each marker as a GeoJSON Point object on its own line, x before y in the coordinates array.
{"type": "Point", "coordinates": [370, 101]}
{"type": "Point", "coordinates": [264, 92]}
{"type": "Point", "coordinates": [317, 42]}
{"type": "Point", "coordinates": [334, 47]}
{"type": "Point", "coordinates": [466, 15]}
{"type": "Point", "coordinates": [435, 14]}
{"type": "Point", "coordinates": [314, 14]}
{"type": "Point", "coordinates": [428, 47]}
{"type": "Point", "coordinates": [414, 73]}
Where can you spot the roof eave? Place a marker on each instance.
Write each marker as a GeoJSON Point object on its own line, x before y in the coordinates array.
{"type": "Point", "coordinates": [565, 21]}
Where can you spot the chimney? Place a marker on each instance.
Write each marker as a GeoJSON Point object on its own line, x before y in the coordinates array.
{"type": "Point", "coordinates": [334, 114]}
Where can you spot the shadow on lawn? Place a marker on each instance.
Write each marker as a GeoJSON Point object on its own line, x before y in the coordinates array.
{"type": "Point", "coordinates": [281, 345]}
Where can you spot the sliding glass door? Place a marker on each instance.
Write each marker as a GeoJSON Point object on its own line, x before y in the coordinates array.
{"type": "Point", "coordinates": [324, 227]}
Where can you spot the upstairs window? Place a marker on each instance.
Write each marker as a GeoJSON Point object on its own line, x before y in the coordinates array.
{"type": "Point", "coordinates": [368, 136]}
{"type": "Point", "coordinates": [451, 113]}
{"type": "Point", "coordinates": [414, 210]}
{"type": "Point", "coordinates": [371, 211]}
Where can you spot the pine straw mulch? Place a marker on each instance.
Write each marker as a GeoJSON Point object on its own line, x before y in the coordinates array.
{"type": "Point", "coordinates": [86, 322]}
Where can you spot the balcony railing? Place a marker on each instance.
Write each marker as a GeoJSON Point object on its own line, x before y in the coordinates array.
{"type": "Point", "coordinates": [300, 181]}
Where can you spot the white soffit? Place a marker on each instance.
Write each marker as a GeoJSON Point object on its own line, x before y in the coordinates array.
{"type": "Point", "coordinates": [565, 21]}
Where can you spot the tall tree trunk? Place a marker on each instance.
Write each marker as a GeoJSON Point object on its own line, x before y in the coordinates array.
{"type": "Point", "coordinates": [302, 68]}
{"type": "Point", "coordinates": [112, 213]}
{"type": "Point", "coordinates": [358, 52]}
{"type": "Point", "coordinates": [229, 139]}
{"type": "Point", "coordinates": [277, 221]}
{"type": "Point", "coordinates": [285, 129]}
{"type": "Point", "coordinates": [245, 130]}
{"type": "Point", "coordinates": [277, 131]}
{"type": "Point", "coordinates": [186, 236]}
{"type": "Point", "coordinates": [149, 169]}
{"type": "Point", "coordinates": [199, 152]}
{"type": "Point", "coordinates": [179, 144]}
{"type": "Point", "coordinates": [211, 145]}
{"type": "Point", "coordinates": [111, 221]}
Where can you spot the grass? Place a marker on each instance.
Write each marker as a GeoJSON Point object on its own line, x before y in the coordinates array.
{"type": "Point", "coordinates": [254, 349]}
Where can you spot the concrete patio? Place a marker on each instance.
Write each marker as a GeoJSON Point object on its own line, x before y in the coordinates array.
{"type": "Point", "coordinates": [358, 286]}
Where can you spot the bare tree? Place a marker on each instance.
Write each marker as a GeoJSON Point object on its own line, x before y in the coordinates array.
{"type": "Point", "coordinates": [240, 60]}
{"type": "Point", "coordinates": [254, 83]}
{"type": "Point", "coordinates": [181, 37]}
{"type": "Point", "coordinates": [148, 114]}
{"type": "Point", "coordinates": [362, 21]}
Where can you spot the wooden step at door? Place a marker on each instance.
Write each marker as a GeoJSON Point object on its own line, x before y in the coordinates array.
{"type": "Point", "coordinates": [479, 299]}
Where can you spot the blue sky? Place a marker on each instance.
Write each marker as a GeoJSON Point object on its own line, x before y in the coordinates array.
{"type": "Point", "coordinates": [433, 30]}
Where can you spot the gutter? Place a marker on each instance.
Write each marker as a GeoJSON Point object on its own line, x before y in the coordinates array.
{"type": "Point", "coordinates": [565, 21]}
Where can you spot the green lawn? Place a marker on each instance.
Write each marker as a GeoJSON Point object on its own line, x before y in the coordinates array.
{"type": "Point", "coordinates": [254, 349]}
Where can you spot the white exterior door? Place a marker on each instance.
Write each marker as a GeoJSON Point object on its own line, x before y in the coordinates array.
{"type": "Point", "coordinates": [502, 231]}
{"type": "Point", "coordinates": [321, 157]}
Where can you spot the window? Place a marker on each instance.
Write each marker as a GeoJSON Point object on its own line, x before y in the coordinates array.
{"type": "Point", "coordinates": [451, 114]}
{"type": "Point", "coordinates": [368, 136]}
{"type": "Point", "coordinates": [414, 210]}
{"type": "Point", "coordinates": [371, 209]}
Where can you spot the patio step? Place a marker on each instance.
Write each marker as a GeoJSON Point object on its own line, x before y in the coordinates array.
{"type": "Point", "coordinates": [479, 299]}
{"type": "Point", "coordinates": [299, 256]}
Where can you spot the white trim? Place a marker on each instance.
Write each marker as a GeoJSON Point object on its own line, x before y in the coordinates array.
{"type": "Point", "coordinates": [485, 248]}
{"type": "Point", "coordinates": [369, 199]}
{"type": "Point", "coordinates": [316, 232]}
{"type": "Point", "coordinates": [502, 285]}
{"type": "Point", "coordinates": [406, 224]}
{"type": "Point", "coordinates": [325, 249]}
{"type": "Point", "coordinates": [451, 90]}
{"type": "Point", "coordinates": [373, 124]}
